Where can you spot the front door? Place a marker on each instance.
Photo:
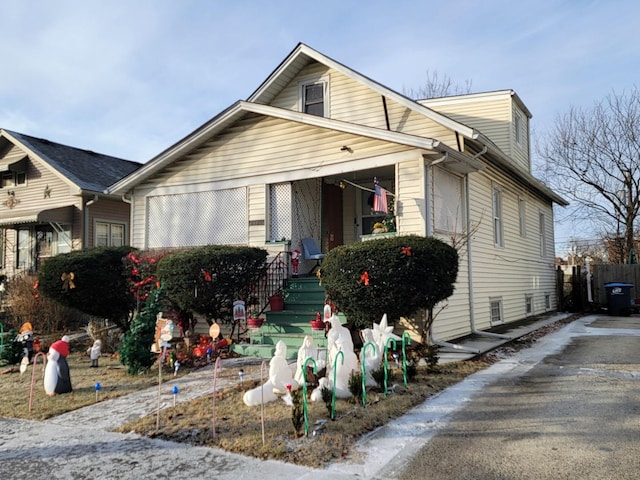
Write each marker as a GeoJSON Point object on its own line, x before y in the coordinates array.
{"type": "Point", "coordinates": [332, 234]}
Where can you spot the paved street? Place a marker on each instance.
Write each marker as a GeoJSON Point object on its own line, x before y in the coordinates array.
{"type": "Point", "coordinates": [566, 408]}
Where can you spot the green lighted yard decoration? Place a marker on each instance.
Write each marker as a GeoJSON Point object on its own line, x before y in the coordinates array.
{"type": "Point", "coordinates": [406, 340]}
{"type": "Point", "coordinates": [304, 395]}
{"type": "Point", "coordinates": [339, 355]}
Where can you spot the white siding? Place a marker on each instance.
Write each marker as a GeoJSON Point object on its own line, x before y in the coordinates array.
{"type": "Point", "coordinates": [410, 198]}
{"type": "Point", "coordinates": [494, 116]}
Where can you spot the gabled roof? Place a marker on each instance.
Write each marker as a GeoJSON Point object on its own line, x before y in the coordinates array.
{"type": "Point", "coordinates": [85, 169]}
{"type": "Point", "coordinates": [241, 108]}
{"type": "Point", "coordinates": [303, 54]}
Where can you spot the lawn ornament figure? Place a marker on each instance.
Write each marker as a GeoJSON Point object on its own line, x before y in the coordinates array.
{"type": "Point", "coordinates": [339, 340]}
{"type": "Point", "coordinates": [280, 380]}
{"type": "Point", "coordinates": [295, 261]}
{"type": "Point", "coordinates": [94, 353]}
{"type": "Point", "coordinates": [57, 379]}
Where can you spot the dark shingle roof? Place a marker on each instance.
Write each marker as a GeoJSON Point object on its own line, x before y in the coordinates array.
{"type": "Point", "coordinates": [89, 170]}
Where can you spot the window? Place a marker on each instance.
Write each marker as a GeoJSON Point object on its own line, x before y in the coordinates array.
{"type": "Point", "coordinates": [109, 234]}
{"type": "Point", "coordinates": [528, 304]}
{"type": "Point", "coordinates": [547, 301]}
{"type": "Point", "coordinates": [12, 179]}
{"type": "Point", "coordinates": [498, 235]}
{"type": "Point", "coordinates": [25, 250]}
{"type": "Point", "coordinates": [313, 98]}
{"type": "Point", "coordinates": [495, 311]}
{"type": "Point", "coordinates": [522, 215]}
{"type": "Point", "coordinates": [518, 128]}
{"type": "Point", "coordinates": [448, 201]}
{"type": "Point", "coordinates": [280, 211]}
{"type": "Point", "coordinates": [543, 232]}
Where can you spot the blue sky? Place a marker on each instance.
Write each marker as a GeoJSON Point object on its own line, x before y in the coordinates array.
{"type": "Point", "coordinates": [130, 78]}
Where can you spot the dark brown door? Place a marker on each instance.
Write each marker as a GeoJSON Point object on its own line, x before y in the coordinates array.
{"type": "Point", "coordinates": [332, 216]}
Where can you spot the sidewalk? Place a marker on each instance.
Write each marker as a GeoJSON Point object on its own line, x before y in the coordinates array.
{"type": "Point", "coordinates": [80, 444]}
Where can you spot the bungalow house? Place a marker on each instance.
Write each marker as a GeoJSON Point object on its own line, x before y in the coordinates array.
{"type": "Point", "coordinates": [52, 201]}
{"type": "Point", "coordinates": [298, 159]}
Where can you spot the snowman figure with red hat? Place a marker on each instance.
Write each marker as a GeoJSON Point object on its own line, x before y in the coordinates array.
{"type": "Point", "coordinates": [56, 372]}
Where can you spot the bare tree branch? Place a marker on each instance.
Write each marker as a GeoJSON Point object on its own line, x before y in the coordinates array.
{"type": "Point", "coordinates": [592, 157]}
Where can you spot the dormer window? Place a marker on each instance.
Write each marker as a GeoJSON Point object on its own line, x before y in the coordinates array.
{"type": "Point", "coordinates": [12, 179]}
{"type": "Point", "coordinates": [14, 173]}
{"type": "Point", "coordinates": [518, 128]}
{"type": "Point", "coordinates": [313, 98]}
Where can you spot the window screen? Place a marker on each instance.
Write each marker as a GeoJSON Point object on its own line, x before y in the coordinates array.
{"type": "Point", "coordinates": [216, 217]}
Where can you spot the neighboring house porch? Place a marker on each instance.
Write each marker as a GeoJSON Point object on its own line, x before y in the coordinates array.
{"type": "Point", "coordinates": [54, 201]}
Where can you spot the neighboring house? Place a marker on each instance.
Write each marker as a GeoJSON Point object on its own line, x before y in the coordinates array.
{"type": "Point", "coordinates": [52, 201]}
{"type": "Point", "coordinates": [298, 159]}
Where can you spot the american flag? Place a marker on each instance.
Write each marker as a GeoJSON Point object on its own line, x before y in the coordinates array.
{"type": "Point", "coordinates": [379, 198]}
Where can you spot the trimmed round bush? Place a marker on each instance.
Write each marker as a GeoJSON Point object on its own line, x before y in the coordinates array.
{"type": "Point", "coordinates": [207, 280]}
{"type": "Point", "coordinates": [397, 276]}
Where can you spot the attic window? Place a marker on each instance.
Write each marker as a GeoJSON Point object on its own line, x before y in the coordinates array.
{"type": "Point", "coordinates": [312, 98]}
{"type": "Point", "coordinates": [518, 127]}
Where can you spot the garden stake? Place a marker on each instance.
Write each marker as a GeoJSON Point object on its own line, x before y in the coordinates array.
{"type": "Point", "coordinates": [364, 370]}
{"type": "Point", "coordinates": [33, 373]}
{"type": "Point", "coordinates": [386, 362]}
{"type": "Point", "coordinates": [175, 394]}
{"type": "Point", "coordinates": [263, 367]}
{"type": "Point", "coordinates": [162, 357]}
{"type": "Point", "coordinates": [406, 335]}
{"type": "Point", "coordinates": [340, 354]}
{"type": "Point", "coordinates": [304, 393]}
{"type": "Point", "coordinates": [216, 367]}
{"type": "Point", "coordinates": [1, 337]}
{"type": "Point", "coordinates": [97, 388]}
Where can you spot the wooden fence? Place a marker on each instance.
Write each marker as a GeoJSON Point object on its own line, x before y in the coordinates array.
{"type": "Point", "coordinates": [614, 273]}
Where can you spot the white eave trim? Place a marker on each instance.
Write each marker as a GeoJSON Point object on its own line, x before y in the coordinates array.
{"type": "Point", "coordinates": [238, 109]}
{"type": "Point", "coordinates": [373, 85]}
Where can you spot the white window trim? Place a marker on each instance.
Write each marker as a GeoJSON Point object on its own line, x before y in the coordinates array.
{"type": "Point", "coordinates": [498, 216]}
{"type": "Point", "coordinates": [96, 221]}
{"type": "Point", "coordinates": [547, 301]}
{"type": "Point", "coordinates": [497, 300]}
{"type": "Point", "coordinates": [522, 216]}
{"type": "Point", "coordinates": [458, 218]}
{"type": "Point", "coordinates": [528, 300]}
{"type": "Point", "coordinates": [518, 126]}
{"type": "Point", "coordinates": [542, 226]}
{"type": "Point", "coordinates": [324, 80]}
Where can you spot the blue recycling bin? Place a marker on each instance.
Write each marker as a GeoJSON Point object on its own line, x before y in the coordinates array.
{"type": "Point", "coordinates": [619, 298]}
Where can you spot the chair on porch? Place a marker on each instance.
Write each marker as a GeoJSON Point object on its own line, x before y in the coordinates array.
{"type": "Point", "coordinates": [312, 252]}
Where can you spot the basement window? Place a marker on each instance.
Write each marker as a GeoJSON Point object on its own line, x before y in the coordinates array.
{"type": "Point", "coordinates": [495, 311]}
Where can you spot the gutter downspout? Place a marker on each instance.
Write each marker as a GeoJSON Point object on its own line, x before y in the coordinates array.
{"type": "Point", "coordinates": [85, 241]}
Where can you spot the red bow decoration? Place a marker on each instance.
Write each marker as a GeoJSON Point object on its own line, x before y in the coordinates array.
{"type": "Point", "coordinates": [406, 251]}
{"type": "Point", "coordinates": [67, 281]}
{"type": "Point", "coordinates": [206, 275]}
{"type": "Point", "coordinates": [364, 278]}
{"type": "Point", "coordinates": [36, 293]}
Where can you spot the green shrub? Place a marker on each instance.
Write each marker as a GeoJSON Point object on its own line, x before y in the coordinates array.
{"type": "Point", "coordinates": [207, 280]}
{"type": "Point", "coordinates": [397, 276]}
{"type": "Point", "coordinates": [355, 385]}
{"type": "Point", "coordinates": [12, 351]}
{"type": "Point", "coordinates": [91, 281]}
{"type": "Point", "coordinates": [135, 351]}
